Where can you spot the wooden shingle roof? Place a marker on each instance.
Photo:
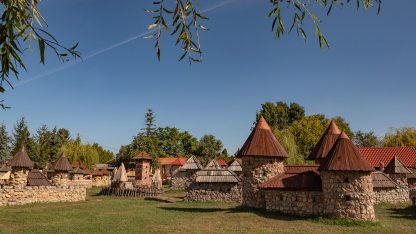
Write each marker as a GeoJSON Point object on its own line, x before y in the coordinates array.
{"type": "Point", "coordinates": [235, 166]}
{"type": "Point", "coordinates": [21, 159]}
{"type": "Point", "coordinates": [381, 180]}
{"type": "Point", "coordinates": [324, 145]}
{"type": "Point", "coordinates": [192, 164]}
{"type": "Point", "coordinates": [213, 165]}
{"type": "Point", "coordinates": [216, 176]}
{"type": "Point", "coordinates": [142, 155]}
{"type": "Point", "coordinates": [62, 164]}
{"type": "Point", "coordinates": [395, 166]}
{"type": "Point", "coordinates": [344, 156]}
{"type": "Point", "coordinates": [37, 178]}
{"type": "Point", "coordinates": [262, 142]}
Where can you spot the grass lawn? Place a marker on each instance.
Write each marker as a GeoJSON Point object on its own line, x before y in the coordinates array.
{"type": "Point", "coordinates": [101, 214]}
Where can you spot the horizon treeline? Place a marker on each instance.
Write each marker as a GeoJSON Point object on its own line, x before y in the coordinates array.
{"type": "Point", "coordinates": [45, 145]}
{"type": "Point", "coordinates": [298, 133]}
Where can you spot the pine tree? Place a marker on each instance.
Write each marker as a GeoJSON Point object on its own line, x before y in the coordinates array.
{"type": "Point", "coordinates": [150, 123]}
{"type": "Point", "coordinates": [43, 140]}
{"type": "Point", "coordinates": [55, 145]}
{"type": "Point", "coordinates": [21, 137]}
{"type": "Point", "coordinates": [4, 143]}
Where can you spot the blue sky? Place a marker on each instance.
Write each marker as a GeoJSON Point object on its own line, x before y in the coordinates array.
{"type": "Point", "coordinates": [367, 76]}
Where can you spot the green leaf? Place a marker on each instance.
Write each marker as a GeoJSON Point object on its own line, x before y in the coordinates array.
{"type": "Point", "coordinates": [42, 50]}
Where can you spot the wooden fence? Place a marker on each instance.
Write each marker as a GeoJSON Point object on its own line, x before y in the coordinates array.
{"type": "Point", "coordinates": [135, 192]}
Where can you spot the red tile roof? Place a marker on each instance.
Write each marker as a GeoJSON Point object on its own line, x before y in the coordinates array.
{"type": "Point", "coordinates": [324, 145]}
{"type": "Point", "coordinates": [168, 161]}
{"type": "Point", "coordinates": [262, 142]}
{"type": "Point", "coordinates": [377, 155]}
{"type": "Point", "coordinates": [222, 162]}
{"type": "Point", "coordinates": [344, 156]}
{"type": "Point", "coordinates": [179, 162]}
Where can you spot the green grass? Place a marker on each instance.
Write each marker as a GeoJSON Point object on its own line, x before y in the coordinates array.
{"type": "Point", "coordinates": [101, 214]}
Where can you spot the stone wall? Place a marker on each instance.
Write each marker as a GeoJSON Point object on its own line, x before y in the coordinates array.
{"type": "Point", "coordinates": [100, 181]}
{"type": "Point", "coordinates": [256, 170]}
{"type": "Point", "coordinates": [229, 192]}
{"type": "Point", "coordinates": [12, 195]}
{"type": "Point", "coordinates": [303, 203]}
{"type": "Point", "coordinates": [348, 194]}
{"type": "Point", "coordinates": [18, 177]}
{"type": "Point", "coordinates": [61, 178]}
{"type": "Point", "coordinates": [394, 196]}
{"type": "Point", "coordinates": [82, 182]}
{"type": "Point", "coordinates": [182, 179]}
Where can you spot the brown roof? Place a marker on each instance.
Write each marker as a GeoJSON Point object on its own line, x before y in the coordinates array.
{"type": "Point", "coordinates": [21, 159]}
{"type": "Point", "coordinates": [96, 173]}
{"type": "Point", "coordinates": [78, 171]}
{"type": "Point", "coordinates": [396, 166]}
{"type": "Point", "coordinates": [192, 164]}
{"type": "Point", "coordinates": [62, 164]}
{"type": "Point", "coordinates": [344, 156]}
{"type": "Point", "coordinates": [213, 165]}
{"type": "Point", "coordinates": [291, 169]}
{"type": "Point", "coordinates": [216, 176]}
{"type": "Point", "coordinates": [376, 155]}
{"type": "Point", "coordinates": [262, 142]}
{"type": "Point", "coordinates": [413, 175]}
{"type": "Point", "coordinates": [235, 166]}
{"type": "Point", "coordinates": [143, 155]}
{"type": "Point", "coordinates": [37, 178]}
{"type": "Point", "coordinates": [78, 164]}
{"type": "Point", "coordinates": [381, 180]}
{"type": "Point", "coordinates": [309, 181]}
{"type": "Point", "coordinates": [324, 145]}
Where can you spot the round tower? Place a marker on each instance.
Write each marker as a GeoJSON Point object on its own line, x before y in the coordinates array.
{"type": "Point", "coordinates": [346, 182]}
{"type": "Point", "coordinates": [21, 164]}
{"type": "Point", "coordinates": [61, 169]}
{"type": "Point", "coordinates": [262, 158]}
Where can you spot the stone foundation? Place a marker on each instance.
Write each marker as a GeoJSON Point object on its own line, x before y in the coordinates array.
{"type": "Point", "coordinates": [394, 196]}
{"type": "Point", "coordinates": [348, 194]}
{"type": "Point", "coordinates": [11, 195]}
{"type": "Point", "coordinates": [229, 192]}
{"type": "Point", "coordinates": [182, 179]}
{"type": "Point", "coordinates": [100, 181]}
{"type": "Point", "coordinates": [256, 170]}
{"type": "Point", "coordinates": [303, 203]}
{"type": "Point", "coordinates": [18, 177]}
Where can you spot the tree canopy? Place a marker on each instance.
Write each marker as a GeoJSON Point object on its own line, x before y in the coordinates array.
{"type": "Point", "coordinates": [405, 136]}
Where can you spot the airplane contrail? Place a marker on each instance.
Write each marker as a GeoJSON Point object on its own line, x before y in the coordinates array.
{"type": "Point", "coordinates": [103, 50]}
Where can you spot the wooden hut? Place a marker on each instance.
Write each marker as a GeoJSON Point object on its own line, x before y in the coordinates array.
{"type": "Point", "coordinates": [21, 165]}
{"type": "Point", "coordinates": [143, 173]}
{"type": "Point", "coordinates": [182, 177]}
{"type": "Point", "coordinates": [235, 166]}
{"type": "Point", "coordinates": [61, 169]}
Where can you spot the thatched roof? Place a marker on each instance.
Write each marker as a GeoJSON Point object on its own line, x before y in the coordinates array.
{"type": "Point", "coordinates": [344, 156]}
{"type": "Point", "coordinates": [121, 175]}
{"type": "Point", "coordinates": [37, 178]}
{"type": "Point", "coordinates": [62, 164]}
{"type": "Point", "coordinates": [381, 180]}
{"type": "Point", "coordinates": [21, 159]}
{"type": "Point", "coordinates": [216, 176]}
{"type": "Point", "coordinates": [142, 155]}
{"type": "Point", "coordinates": [235, 166]}
{"type": "Point", "coordinates": [324, 145]}
{"type": "Point", "coordinates": [396, 166]}
{"type": "Point", "coordinates": [262, 142]}
{"type": "Point", "coordinates": [213, 165]}
{"type": "Point", "coordinates": [192, 164]}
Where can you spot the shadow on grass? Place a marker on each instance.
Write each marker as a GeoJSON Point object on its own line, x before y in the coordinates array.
{"type": "Point", "coordinates": [406, 212]}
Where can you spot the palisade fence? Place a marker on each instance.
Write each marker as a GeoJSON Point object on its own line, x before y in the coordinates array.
{"type": "Point", "coordinates": [135, 192]}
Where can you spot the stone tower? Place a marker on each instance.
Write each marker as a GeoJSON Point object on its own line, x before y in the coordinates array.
{"type": "Point", "coordinates": [346, 182]}
{"type": "Point", "coordinates": [262, 158]}
{"type": "Point", "coordinates": [143, 173]}
{"type": "Point", "coordinates": [21, 164]}
{"type": "Point", "coordinates": [324, 145]}
{"type": "Point", "coordinates": [61, 169]}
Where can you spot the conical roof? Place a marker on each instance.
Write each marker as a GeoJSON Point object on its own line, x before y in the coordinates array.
{"type": "Point", "coordinates": [324, 145]}
{"type": "Point", "coordinates": [396, 166]}
{"type": "Point", "coordinates": [62, 164]}
{"type": "Point", "coordinates": [235, 166]}
{"type": "Point", "coordinates": [120, 175]}
{"type": "Point", "coordinates": [262, 142]}
{"type": "Point", "coordinates": [192, 164]}
{"type": "Point", "coordinates": [21, 159]}
{"type": "Point", "coordinates": [213, 165]}
{"type": "Point", "coordinates": [344, 156]}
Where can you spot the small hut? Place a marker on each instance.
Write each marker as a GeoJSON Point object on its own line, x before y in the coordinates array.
{"type": "Point", "coordinates": [213, 165]}
{"type": "Point", "coordinates": [397, 171]}
{"type": "Point", "coordinates": [182, 176]}
{"type": "Point", "coordinates": [143, 173]}
{"type": "Point", "coordinates": [120, 179]}
{"type": "Point", "coordinates": [61, 169]}
{"type": "Point", "coordinates": [37, 178]}
{"type": "Point", "coordinates": [78, 174]}
{"type": "Point", "coordinates": [21, 164]}
{"type": "Point", "coordinates": [235, 166]}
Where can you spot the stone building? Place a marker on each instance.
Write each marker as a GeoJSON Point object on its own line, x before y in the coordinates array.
{"type": "Point", "coordinates": [182, 177]}
{"type": "Point", "coordinates": [100, 178]}
{"type": "Point", "coordinates": [21, 165]}
{"type": "Point", "coordinates": [61, 169]}
{"type": "Point", "coordinates": [262, 158]}
{"type": "Point", "coordinates": [387, 190]}
{"type": "Point", "coordinates": [143, 170]}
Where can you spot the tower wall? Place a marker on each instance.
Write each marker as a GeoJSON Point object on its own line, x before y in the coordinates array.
{"type": "Point", "coordinates": [143, 173]}
{"type": "Point", "coordinates": [348, 194]}
{"type": "Point", "coordinates": [256, 170]}
{"type": "Point", "coordinates": [19, 176]}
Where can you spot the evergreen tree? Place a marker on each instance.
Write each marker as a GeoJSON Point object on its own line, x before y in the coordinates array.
{"type": "Point", "coordinates": [21, 137]}
{"type": "Point", "coordinates": [43, 140]}
{"type": "Point", "coordinates": [150, 123]}
{"type": "Point", "coordinates": [55, 145]}
{"type": "Point", "coordinates": [4, 143]}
